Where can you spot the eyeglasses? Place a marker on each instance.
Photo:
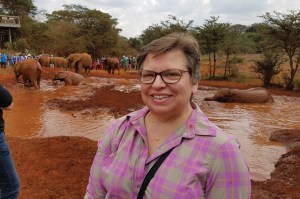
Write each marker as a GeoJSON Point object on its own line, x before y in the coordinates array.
{"type": "Point", "coordinates": [170, 76]}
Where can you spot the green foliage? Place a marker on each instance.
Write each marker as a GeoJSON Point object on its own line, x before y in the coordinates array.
{"type": "Point", "coordinates": [91, 30]}
{"type": "Point", "coordinates": [283, 32]}
{"type": "Point", "coordinates": [172, 24]}
{"type": "Point", "coordinates": [236, 60]}
{"type": "Point", "coordinates": [211, 36]}
{"type": "Point", "coordinates": [268, 66]}
{"type": "Point", "coordinates": [21, 45]}
{"type": "Point", "coordinates": [135, 43]}
{"type": "Point", "coordinates": [254, 35]}
{"type": "Point", "coordinates": [17, 8]}
{"type": "Point", "coordinates": [63, 38]}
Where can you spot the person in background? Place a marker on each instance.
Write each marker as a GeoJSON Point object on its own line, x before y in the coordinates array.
{"type": "Point", "coordinates": [3, 60]}
{"type": "Point", "coordinates": [97, 64]}
{"type": "Point", "coordinates": [9, 180]}
{"type": "Point", "coordinates": [124, 62]}
{"type": "Point", "coordinates": [204, 161]}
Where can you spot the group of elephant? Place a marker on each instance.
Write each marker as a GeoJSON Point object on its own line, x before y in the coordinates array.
{"type": "Point", "coordinates": [76, 61]}
{"type": "Point", "coordinates": [79, 61]}
{"type": "Point", "coordinates": [31, 69]}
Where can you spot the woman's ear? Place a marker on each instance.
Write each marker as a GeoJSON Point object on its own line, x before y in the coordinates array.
{"type": "Point", "coordinates": [195, 88]}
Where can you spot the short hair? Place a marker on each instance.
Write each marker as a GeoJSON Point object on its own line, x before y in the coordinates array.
{"type": "Point", "coordinates": [175, 41]}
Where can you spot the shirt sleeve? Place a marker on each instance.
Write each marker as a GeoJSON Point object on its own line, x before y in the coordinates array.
{"type": "Point", "coordinates": [229, 176]}
{"type": "Point", "coordinates": [5, 97]}
{"type": "Point", "coordinates": [94, 188]}
{"type": "Point", "coordinates": [106, 146]}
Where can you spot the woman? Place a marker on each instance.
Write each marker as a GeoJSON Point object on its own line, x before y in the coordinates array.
{"type": "Point", "coordinates": [9, 180]}
{"type": "Point", "coordinates": [204, 161]}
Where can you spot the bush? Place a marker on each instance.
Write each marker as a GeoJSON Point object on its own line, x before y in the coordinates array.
{"type": "Point", "coordinates": [21, 45]}
{"type": "Point", "coordinates": [268, 67]}
{"type": "Point", "coordinates": [236, 60]}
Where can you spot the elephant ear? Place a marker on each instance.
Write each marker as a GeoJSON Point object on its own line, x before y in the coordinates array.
{"type": "Point", "coordinates": [224, 95]}
{"type": "Point", "coordinates": [60, 76]}
{"type": "Point", "coordinates": [76, 57]}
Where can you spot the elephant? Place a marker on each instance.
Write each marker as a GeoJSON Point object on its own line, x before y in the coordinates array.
{"type": "Point", "coordinates": [70, 78]}
{"type": "Point", "coordinates": [252, 95]}
{"type": "Point", "coordinates": [31, 71]}
{"type": "Point", "coordinates": [44, 60]}
{"type": "Point", "coordinates": [60, 62]}
{"type": "Point", "coordinates": [79, 61]}
{"type": "Point", "coordinates": [111, 64]}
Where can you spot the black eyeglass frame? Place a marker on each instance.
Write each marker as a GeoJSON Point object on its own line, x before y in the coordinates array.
{"type": "Point", "coordinates": [161, 76]}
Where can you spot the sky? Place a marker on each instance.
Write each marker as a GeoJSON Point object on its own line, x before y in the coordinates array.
{"type": "Point", "coordinates": [134, 16]}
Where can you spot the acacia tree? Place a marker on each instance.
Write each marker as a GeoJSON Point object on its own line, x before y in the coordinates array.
{"type": "Point", "coordinates": [283, 30]}
{"type": "Point", "coordinates": [235, 41]}
{"type": "Point", "coordinates": [211, 35]}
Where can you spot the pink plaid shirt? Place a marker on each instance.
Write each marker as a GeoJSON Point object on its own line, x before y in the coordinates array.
{"type": "Point", "coordinates": [205, 162]}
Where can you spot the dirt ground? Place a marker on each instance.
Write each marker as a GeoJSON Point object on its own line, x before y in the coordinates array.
{"type": "Point", "coordinates": [58, 167]}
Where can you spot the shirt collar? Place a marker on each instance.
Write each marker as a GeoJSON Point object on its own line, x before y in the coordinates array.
{"type": "Point", "coordinates": [197, 124]}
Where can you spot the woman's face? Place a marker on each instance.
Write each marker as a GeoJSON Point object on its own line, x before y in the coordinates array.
{"type": "Point", "coordinates": [163, 98]}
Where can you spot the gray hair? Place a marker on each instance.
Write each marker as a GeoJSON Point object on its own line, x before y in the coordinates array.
{"type": "Point", "coordinates": [175, 41]}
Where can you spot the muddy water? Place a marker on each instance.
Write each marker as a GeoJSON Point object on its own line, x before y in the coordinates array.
{"type": "Point", "coordinates": [251, 124]}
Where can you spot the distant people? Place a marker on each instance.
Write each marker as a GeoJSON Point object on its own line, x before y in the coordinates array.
{"type": "Point", "coordinates": [14, 59]}
{"type": "Point", "coordinates": [201, 161]}
{"type": "Point", "coordinates": [94, 64]}
{"type": "Point", "coordinates": [9, 180]}
{"type": "Point", "coordinates": [102, 63]}
{"type": "Point", "coordinates": [51, 65]}
{"type": "Point", "coordinates": [134, 64]}
{"type": "Point", "coordinates": [3, 60]}
{"type": "Point", "coordinates": [124, 62]}
{"type": "Point", "coordinates": [129, 61]}
{"type": "Point", "coordinates": [98, 64]}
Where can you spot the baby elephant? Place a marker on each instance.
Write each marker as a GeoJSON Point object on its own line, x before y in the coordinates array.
{"type": "Point", "coordinates": [70, 78]}
{"type": "Point", "coordinates": [252, 95]}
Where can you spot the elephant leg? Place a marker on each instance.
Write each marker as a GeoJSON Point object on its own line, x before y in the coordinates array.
{"type": "Point", "coordinates": [87, 71]}
{"type": "Point", "coordinates": [39, 72]}
{"type": "Point", "coordinates": [34, 82]}
{"type": "Point", "coordinates": [68, 81]}
{"type": "Point", "coordinates": [35, 85]}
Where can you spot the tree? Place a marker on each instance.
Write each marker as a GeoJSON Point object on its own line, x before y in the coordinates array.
{"type": "Point", "coordinates": [268, 66]}
{"type": "Point", "coordinates": [172, 24]}
{"type": "Point", "coordinates": [96, 30]}
{"type": "Point", "coordinates": [283, 30]}
{"type": "Point", "coordinates": [63, 38]}
{"type": "Point", "coordinates": [25, 9]}
{"type": "Point", "coordinates": [211, 35]}
{"type": "Point", "coordinates": [135, 43]}
{"type": "Point", "coordinates": [255, 36]}
{"type": "Point", "coordinates": [18, 8]}
{"type": "Point", "coordinates": [235, 41]}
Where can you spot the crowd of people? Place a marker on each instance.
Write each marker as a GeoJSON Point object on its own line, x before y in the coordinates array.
{"type": "Point", "coordinates": [11, 59]}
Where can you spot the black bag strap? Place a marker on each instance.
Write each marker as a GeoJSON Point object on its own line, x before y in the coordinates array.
{"type": "Point", "coordinates": [151, 173]}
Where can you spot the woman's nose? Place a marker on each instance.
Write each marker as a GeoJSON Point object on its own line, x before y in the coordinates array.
{"type": "Point", "coordinates": [158, 81]}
